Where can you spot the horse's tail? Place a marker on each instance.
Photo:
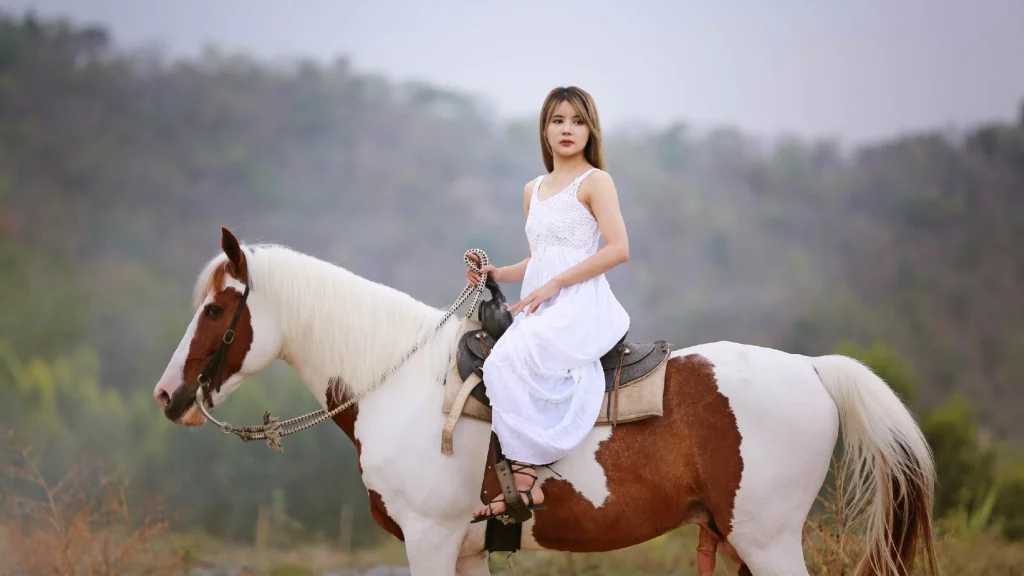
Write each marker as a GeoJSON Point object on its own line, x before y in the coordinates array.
{"type": "Point", "coordinates": [887, 464]}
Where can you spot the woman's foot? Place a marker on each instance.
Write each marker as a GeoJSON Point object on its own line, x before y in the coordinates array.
{"type": "Point", "coordinates": [525, 477]}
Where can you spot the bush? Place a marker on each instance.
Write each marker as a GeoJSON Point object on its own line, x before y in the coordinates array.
{"type": "Point", "coordinates": [1009, 508]}
{"type": "Point", "coordinates": [889, 366]}
{"type": "Point", "coordinates": [83, 523]}
{"type": "Point", "coordinates": [966, 470]}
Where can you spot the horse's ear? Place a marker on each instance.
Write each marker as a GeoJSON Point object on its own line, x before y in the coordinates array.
{"type": "Point", "coordinates": [236, 257]}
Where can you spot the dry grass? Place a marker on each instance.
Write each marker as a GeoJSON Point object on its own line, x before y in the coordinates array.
{"type": "Point", "coordinates": [81, 524]}
{"type": "Point", "coordinates": [830, 546]}
{"type": "Point", "coordinates": [672, 554]}
{"type": "Point", "coordinates": [308, 559]}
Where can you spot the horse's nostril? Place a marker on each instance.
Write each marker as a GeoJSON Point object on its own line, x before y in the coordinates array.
{"type": "Point", "coordinates": [163, 398]}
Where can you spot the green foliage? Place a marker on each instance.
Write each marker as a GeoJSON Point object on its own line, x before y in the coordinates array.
{"type": "Point", "coordinates": [964, 467]}
{"type": "Point", "coordinates": [43, 306]}
{"type": "Point", "coordinates": [1009, 505]}
{"type": "Point", "coordinates": [884, 362]}
{"type": "Point", "coordinates": [978, 521]}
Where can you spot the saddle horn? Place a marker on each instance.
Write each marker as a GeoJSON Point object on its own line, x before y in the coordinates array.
{"type": "Point", "coordinates": [494, 315]}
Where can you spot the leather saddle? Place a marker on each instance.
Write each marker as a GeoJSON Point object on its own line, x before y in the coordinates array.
{"type": "Point", "coordinates": [626, 362]}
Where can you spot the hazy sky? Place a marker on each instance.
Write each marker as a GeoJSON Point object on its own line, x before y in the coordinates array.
{"type": "Point", "coordinates": [858, 69]}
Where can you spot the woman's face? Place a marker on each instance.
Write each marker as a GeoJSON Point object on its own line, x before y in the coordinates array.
{"type": "Point", "coordinates": [567, 132]}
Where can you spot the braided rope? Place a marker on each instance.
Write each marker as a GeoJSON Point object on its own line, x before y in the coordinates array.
{"type": "Point", "coordinates": [272, 430]}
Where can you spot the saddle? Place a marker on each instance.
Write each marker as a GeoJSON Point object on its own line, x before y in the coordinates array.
{"type": "Point", "coordinates": [627, 362]}
{"type": "Point", "coordinates": [633, 370]}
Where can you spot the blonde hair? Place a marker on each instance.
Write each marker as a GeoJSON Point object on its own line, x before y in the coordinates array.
{"type": "Point", "coordinates": [585, 107]}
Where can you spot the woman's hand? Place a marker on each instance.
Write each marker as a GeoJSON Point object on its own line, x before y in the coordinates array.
{"type": "Point", "coordinates": [533, 301]}
{"type": "Point", "coordinates": [473, 277]}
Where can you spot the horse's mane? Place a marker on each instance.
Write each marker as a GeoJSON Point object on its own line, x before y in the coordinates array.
{"type": "Point", "coordinates": [351, 326]}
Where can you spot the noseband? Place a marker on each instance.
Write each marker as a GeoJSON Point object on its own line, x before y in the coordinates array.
{"type": "Point", "coordinates": [219, 358]}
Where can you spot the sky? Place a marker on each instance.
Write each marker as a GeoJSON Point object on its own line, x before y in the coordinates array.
{"type": "Point", "coordinates": [854, 70]}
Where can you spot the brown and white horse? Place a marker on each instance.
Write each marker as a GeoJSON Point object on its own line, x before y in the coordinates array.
{"type": "Point", "coordinates": [742, 449]}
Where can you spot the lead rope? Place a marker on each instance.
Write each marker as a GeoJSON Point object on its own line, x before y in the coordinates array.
{"type": "Point", "coordinates": [272, 430]}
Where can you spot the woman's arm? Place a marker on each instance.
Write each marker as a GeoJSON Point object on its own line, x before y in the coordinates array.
{"type": "Point", "coordinates": [603, 200]}
{"type": "Point", "coordinates": [600, 196]}
{"type": "Point", "coordinates": [511, 274]}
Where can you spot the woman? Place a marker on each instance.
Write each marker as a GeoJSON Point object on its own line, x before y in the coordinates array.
{"type": "Point", "coordinates": [544, 376]}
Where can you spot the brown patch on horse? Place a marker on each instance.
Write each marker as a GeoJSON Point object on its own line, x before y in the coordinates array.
{"type": "Point", "coordinates": [214, 283]}
{"type": "Point", "coordinates": [380, 515]}
{"type": "Point", "coordinates": [681, 468]}
{"type": "Point", "coordinates": [213, 322]}
{"type": "Point", "coordinates": [216, 316]}
{"type": "Point", "coordinates": [346, 420]}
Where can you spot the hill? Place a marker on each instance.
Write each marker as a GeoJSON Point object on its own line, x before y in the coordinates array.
{"type": "Point", "coordinates": [118, 168]}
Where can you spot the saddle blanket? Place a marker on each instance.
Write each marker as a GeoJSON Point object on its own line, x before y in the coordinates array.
{"type": "Point", "coordinates": [638, 399]}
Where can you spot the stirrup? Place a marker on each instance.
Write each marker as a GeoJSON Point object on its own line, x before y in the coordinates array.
{"type": "Point", "coordinates": [506, 517]}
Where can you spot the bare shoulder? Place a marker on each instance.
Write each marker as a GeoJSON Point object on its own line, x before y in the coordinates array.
{"type": "Point", "coordinates": [598, 185]}
{"type": "Point", "coordinates": [528, 194]}
{"type": "Point", "coordinates": [528, 188]}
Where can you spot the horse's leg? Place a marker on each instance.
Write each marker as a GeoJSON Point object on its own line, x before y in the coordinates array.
{"type": "Point", "coordinates": [432, 548]}
{"type": "Point", "coordinates": [473, 565]}
{"type": "Point", "coordinates": [768, 539]}
{"type": "Point", "coordinates": [733, 563]}
{"type": "Point", "coordinates": [783, 554]}
{"type": "Point", "coordinates": [707, 544]}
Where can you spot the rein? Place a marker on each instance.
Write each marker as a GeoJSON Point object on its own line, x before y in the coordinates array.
{"type": "Point", "coordinates": [272, 430]}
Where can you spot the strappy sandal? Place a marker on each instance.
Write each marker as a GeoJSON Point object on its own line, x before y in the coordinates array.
{"type": "Point", "coordinates": [524, 512]}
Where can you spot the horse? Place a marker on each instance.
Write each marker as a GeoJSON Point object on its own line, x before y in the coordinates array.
{"type": "Point", "coordinates": [742, 448]}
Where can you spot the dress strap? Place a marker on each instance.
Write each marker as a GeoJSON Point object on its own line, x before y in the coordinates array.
{"type": "Point", "coordinates": [575, 186]}
{"type": "Point", "coordinates": [584, 175]}
{"type": "Point", "coordinates": [572, 187]}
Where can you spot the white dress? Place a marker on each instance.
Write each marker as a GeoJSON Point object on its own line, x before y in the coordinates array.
{"type": "Point", "coordinates": [544, 376]}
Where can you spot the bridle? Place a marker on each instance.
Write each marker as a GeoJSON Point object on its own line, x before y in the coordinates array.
{"type": "Point", "coordinates": [272, 430]}
{"type": "Point", "coordinates": [216, 362]}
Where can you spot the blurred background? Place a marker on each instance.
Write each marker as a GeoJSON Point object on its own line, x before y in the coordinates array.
{"type": "Point", "coordinates": [816, 177]}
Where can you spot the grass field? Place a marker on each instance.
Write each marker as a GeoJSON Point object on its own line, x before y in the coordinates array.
{"type": "Point", "coordinates": [71, 528]}
{"type": "Point", "coordinates": [670, 554]}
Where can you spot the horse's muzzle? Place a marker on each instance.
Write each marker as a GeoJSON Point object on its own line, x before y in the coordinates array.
{"type": "Point", "coordinates": [183, 398]}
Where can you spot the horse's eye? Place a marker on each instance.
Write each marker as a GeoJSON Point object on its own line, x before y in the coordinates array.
{"type": "Point", "coordinates": [214, 311]}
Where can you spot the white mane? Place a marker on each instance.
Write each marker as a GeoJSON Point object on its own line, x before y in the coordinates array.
{"type": "Point", "coordinates": [346, 325]}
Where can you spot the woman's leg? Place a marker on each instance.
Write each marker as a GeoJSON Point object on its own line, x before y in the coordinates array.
{"type": "Point", "coordinates": [525, 476]}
